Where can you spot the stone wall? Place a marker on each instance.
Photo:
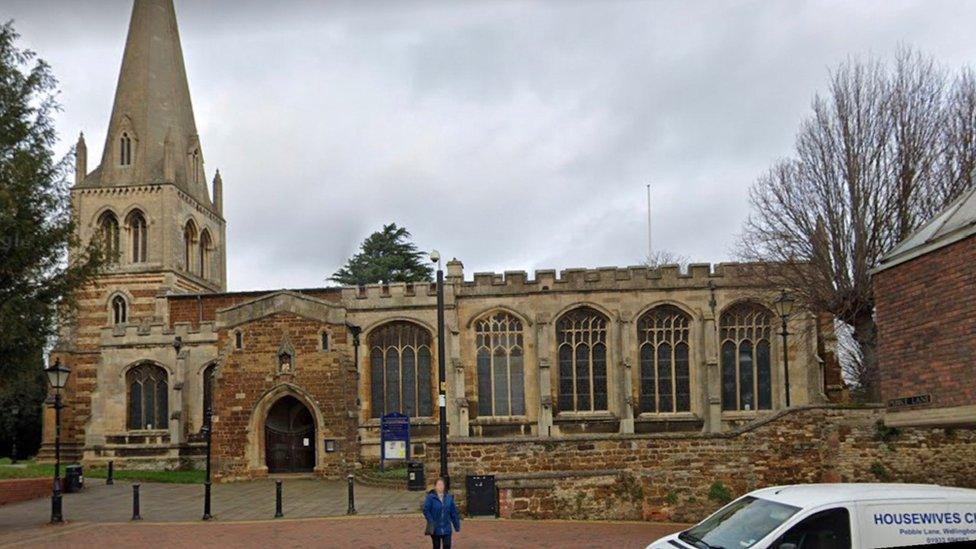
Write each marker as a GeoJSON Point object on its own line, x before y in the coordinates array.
{"type": "Point", "coordinates": [679, 476]}
{"type": "Point", "coordinates": [926, 314]}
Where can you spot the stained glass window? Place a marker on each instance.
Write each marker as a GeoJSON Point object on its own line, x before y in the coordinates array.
{"type": "Point", "coordinates": [148, 397]}
{"type": "Point", "coordinates": [744, 331]}
{"type": "Point", "coordinates": [400, 370]}
{"type": "Point", "coordinates": [582, 338]}
{"type": "Point", "coordinates": [499, 364]}
{"type": "Point", "coordinates": [663, 334]}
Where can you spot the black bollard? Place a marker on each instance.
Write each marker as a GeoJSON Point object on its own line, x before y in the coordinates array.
{"type": "Point", "coordinates": [278, 513]}
{"type": "Point", "coordinates": [111, 473]}
{"type": "Point", "coordinates": [135, 503]}
{"type": "Point", "coordinates": [352, 496]}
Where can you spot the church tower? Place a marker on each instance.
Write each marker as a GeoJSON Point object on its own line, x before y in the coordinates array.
{"type": "Point", "coordinates": [148, 202]}
{"type": "Point", "coordinates": [148, 199]}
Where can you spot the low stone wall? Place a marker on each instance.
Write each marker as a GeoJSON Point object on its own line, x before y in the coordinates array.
{"type": "Point", "coordinates": [684, 476]}
{"type": "Point", "coordinates": [23, 489]}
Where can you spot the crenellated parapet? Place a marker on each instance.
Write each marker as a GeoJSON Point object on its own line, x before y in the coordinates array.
{"type": "Point", "coordinates": [396, 295]}
{"type": "Point", "coordinates": [667, 277]}
{"type": "Point", "coordinates": [157, 333]}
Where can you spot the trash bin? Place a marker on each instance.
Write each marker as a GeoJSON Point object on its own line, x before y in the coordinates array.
{"type": "Point", "coordinates": [415, 476]}
{"type": "Point", "coordinates": [482, 496]}
{"type": "Point", "coordinates": [74, 480]}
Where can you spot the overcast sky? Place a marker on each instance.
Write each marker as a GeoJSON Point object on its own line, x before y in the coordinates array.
{"type": "Point", "coordinates": [512, 135]}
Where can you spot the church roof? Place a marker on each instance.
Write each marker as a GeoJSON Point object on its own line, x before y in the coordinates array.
{"type": "Point", "coordinates": [952, 224]}
{"type": "Point", "coordinates": [153, 108]}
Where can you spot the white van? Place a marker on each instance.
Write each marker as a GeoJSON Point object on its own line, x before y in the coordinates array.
{"type": "Point", "coordinates": [835, 516]}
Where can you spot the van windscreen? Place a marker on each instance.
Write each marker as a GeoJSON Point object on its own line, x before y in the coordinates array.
{"type": "Point", "coordinates": [742, 523]}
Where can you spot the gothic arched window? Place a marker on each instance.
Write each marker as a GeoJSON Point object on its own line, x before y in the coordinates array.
{"type": "Point", "coordinates": [138, 236]}
{"type": "Point", "coordinates": [125, 149]}
{"type": "Point", "coordinates": [501, 381]}
{"type": "Point", "coordinates": [400, 365]}
{"type": "Point", "coordinates": [120, 313]}
{"type": "Point", "coordinates": [148, 393]}
{"type": "Point", "coordinates": [744, 332]}
{"type": "Point", "coordinates": [108, 230]}
{"type": "Point", "coordinates": [189, 241]}
{"type": "Point", "coordinates": [582, 338]}
{"type": "Point", "coordinates": [663, 334]}
{"type": "Point", "coordinates": [206, 243]}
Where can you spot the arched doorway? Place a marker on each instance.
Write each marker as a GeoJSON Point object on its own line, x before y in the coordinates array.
{"type": "Point", "coordinates": [289, 437]}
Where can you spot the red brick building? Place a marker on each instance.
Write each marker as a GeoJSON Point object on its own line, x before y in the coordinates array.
{"type": "Point", "coordinates": [925, 294]}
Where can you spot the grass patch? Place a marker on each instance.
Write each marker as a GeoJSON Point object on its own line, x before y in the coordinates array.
{"type": "Point", "coordinates": [390, 473]}
{"type": "Point", "coordinates": [25, 469]}
{"type": "Point", "coordinates": [31, 469]}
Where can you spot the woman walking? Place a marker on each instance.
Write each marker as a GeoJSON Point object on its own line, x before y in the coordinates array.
{"type": "Point", "coordinates": [441, 515]}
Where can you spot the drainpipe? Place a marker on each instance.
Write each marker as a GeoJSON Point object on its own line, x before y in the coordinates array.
{"type": "Point", "coordinates": [355, 331]}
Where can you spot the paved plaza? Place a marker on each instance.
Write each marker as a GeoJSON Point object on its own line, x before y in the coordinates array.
{"type": "Point", "coordinates": [244, 511]}
{"type": "Point", "coordinates": [359, 532]}
{"type": "Point", "coordinates": [303, 497]}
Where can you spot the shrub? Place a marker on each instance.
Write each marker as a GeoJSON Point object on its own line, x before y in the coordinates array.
{"type": "Point", "coordinates": [719, 492]}
{"type": "Point", "coordinates": [884, 433]}
{"type": "Point", "coordinates": [878, 470]}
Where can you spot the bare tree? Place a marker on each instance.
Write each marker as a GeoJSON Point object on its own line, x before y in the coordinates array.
{"type": "Point", "coordinates": [659, 258]}
{"type": "Point", "coordinates": [886, 148]}
{"type": "Point", "coordinates": [851, 362]}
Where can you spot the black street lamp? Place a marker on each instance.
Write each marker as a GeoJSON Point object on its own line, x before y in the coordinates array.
{"type": "Point", "coordinates": [14, 413]}
{"type": "Point", "coordinates": [435, 257]}
{"type": "Point", "coordinates": [57, 375]}
{"type": "Point", "coordinates": [207, 424]}
{"type": "Point", "coordinates": [784, 307]}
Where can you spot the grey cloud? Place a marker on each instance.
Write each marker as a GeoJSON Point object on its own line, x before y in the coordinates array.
{"type": "Point", "coordinates": [513, 135]}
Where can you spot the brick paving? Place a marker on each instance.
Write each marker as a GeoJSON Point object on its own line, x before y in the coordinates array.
{"type": "Point", "coordinates": [360, 532]}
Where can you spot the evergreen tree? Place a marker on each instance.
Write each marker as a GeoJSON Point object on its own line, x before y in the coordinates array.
{"type": "Point", "coordinates": [386, 256]}
{"type": "Point", "coordinates": [36, 232]}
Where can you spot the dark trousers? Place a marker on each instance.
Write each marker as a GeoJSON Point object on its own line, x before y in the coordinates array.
{"type": "Point", "coordinates": [441, 541]}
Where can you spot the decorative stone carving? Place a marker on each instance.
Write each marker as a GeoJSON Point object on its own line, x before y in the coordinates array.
{"type": "Point", "coordinates": [286, 357]}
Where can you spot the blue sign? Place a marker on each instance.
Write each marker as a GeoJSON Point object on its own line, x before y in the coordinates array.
{"type": "Point", "coordinates": [394, 438]}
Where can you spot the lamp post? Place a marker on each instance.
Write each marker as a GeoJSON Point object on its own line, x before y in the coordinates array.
{"type": "Point", "coordinates": [784, 307]}
{"type": "Point", "coordinates": [435, 257]}
{"type": "Point", "coordinates": [207, 414]}
{"type": "Point", "coordinates": [14, 413]}
{"type": "Point", "coordinates": [57, 375]}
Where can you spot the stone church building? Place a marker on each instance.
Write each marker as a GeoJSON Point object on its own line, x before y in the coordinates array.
{"type": "Point", "coordinates": [297, 379]}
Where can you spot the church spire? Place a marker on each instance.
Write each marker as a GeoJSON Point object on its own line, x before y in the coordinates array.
{"type": "Point", "coordinates": [152, 135]}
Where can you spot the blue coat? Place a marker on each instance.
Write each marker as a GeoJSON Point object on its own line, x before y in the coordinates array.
{"type": "Point", "coordinates": [444, 514]}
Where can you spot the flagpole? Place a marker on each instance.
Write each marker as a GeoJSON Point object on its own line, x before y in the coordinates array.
{"type": "Point", "coordinates": [650, 251]}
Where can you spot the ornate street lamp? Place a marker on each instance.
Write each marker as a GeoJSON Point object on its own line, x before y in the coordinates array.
{"type": "Point", "coordinates": [784, 307]}
{"type": "Point", "coordinates": [57, 375]}
{"type": "Point", "coordinates": [435, 257]}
